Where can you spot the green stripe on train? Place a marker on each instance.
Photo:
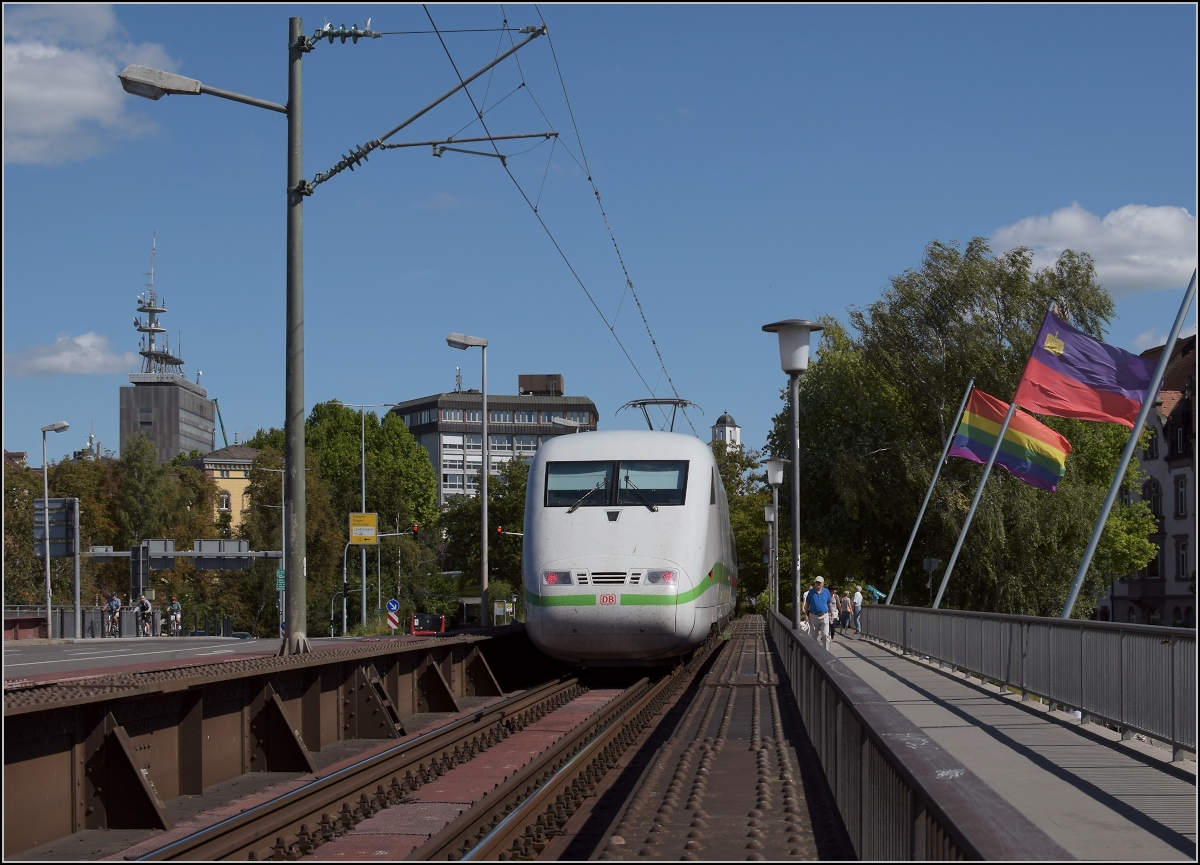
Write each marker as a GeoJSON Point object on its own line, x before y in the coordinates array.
{"type": "Point", "coordinates": [560, 600]}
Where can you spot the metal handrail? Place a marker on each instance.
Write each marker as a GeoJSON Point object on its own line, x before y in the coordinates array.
{"type": "Point", "coordinates": [1137, 678]}
{"type": "Point", "coordinates": [901, 796]}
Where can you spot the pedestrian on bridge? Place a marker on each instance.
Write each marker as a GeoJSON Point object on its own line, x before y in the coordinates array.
{"type": "Point", "coordinates": [847, 610]}
{"type": "Point", "coordinates": [858, 609]}
{"type": "Point", "coordinates": [835, 605]}
{"type": "Point", "coordinates": [816, 606]}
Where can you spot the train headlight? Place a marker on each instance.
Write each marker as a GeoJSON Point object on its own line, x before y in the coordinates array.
{"type": "Point", "coordinates": [557, 578]}
{"type": "Point", "coordinates": [663, 577]}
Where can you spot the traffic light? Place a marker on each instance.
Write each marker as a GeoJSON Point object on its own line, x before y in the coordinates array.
{"type": "Point", "coordinates": [416, 532]}
{"type": "Point", "coordinates": [499, 530]}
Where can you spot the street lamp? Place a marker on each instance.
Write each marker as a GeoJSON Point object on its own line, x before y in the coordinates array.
{"type": "Point", "coordinates": [775, 467]}
{"type": "Point", "coordinates": [566, 422]}
{"type": "Point", "coordinates": [462, 341]}
{"type": "Point", "coordinates": [794, 335]}
{"type": "Point", "coordinates": [57, 427]}
{"type": "Point", "coordinates": [154, 84]}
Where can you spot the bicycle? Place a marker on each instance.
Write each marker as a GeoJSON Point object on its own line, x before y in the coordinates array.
{"type": "Point", "coordinates": [174, 625]}
{"type": "Point", "coordinates": [114, 625]}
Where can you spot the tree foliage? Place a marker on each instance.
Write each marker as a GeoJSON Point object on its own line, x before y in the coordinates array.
{"type": "Point", "coordinates": [875, 410]}
{"type": "Point", "coordinates": [748, 495]}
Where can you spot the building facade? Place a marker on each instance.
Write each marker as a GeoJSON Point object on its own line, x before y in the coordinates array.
{"type": "Point", "coordinates": [1164, 592]}
{"type": "Point", "coordinates": [450, 428]}
{"type": "Point", "coordinates": [230, 469]}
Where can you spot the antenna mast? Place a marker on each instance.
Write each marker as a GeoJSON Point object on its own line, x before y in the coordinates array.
{"type": "Point", "coordinates": [156, 358]}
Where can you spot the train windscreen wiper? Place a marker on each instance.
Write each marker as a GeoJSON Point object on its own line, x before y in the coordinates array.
{"type": "Point", "coordinates": [600, 484]}
{"type": "Point", "coordinates": [629, 485]}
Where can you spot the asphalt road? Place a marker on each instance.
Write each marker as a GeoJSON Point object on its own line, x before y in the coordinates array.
{"type": "Point", "coordinates": [26, 659]}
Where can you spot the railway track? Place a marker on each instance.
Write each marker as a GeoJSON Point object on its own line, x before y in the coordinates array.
{"type": "Point", "coordinates": [727, 751]}
{"type": "Point", "coordinates": [299, 822]}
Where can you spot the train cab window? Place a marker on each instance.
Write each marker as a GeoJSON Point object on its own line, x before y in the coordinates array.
{"type": "Point", "coordinates": [578, 484]}
{"type": "Point", "coordinates": [656, 482]}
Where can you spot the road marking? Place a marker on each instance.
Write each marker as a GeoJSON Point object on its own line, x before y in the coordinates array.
{"type": "Point", "coordinates": [219, 652]}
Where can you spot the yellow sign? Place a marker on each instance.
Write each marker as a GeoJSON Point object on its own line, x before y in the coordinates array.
{"type": "Point", "coordinates": [364, 529]}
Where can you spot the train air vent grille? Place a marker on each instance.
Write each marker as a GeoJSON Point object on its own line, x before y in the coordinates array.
{"type": "Point", "coordinates": [600, 578]}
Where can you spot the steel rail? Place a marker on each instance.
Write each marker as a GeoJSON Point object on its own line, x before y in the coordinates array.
{"type": "Point", "coordinates": [300, 820]}
{"type": "Point", "coordinates": [517, 819]}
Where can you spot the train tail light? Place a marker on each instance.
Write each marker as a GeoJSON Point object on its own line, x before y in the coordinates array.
{"type": "Point", "coordinates": [664, 577]}
{"type": "Point", "coordinates": [557, 578]}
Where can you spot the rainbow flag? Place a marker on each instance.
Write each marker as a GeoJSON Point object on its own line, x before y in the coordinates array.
{"type": "Point", "coordinates": [1031, 452]}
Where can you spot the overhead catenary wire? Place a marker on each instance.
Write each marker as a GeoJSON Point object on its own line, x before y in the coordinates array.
{"type": "Point", "coordinates": [542, 222]}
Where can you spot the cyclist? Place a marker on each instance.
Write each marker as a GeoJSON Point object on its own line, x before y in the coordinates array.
{"type": "Point", "coordinates": [113, 606]}
{"type": "Point", "coordinates": [143, 607]}
{"type": "Point", "coordinates": [175, 616]}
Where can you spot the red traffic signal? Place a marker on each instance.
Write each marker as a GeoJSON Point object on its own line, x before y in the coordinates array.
{"type": "Point", "coordinates": [415, 530]}
{"type": "Point", "coordinates": [499, 530]}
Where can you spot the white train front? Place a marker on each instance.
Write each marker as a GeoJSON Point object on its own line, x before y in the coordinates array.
{"type": "Point", "coordinates": [628, 553]}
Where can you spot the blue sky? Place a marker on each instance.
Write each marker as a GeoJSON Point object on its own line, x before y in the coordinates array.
{"type": "Point", "coordinates": [755, 163]}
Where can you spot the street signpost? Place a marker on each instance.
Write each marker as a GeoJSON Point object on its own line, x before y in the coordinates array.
{"type": "Point", "coordinates": [63, 534]}
{"type": "Point", "coordinates": [364, 529]}
{"type": "Point", "coordinates": [393, 614]}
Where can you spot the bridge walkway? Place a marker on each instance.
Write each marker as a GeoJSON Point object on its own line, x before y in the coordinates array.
{"type": "Point", "coordinates": [1099, 797]}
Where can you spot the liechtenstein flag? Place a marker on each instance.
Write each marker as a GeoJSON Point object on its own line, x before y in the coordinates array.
{"type": "Point", "coordinates": [1071, 374]}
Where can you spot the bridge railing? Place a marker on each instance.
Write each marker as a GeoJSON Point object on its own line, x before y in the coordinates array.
{"type": "Point", "coordinates": [1138, 678]}
{"type": "Point", "coordinates": [901, 796]}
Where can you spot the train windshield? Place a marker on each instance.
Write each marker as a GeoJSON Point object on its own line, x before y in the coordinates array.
{"type": "Point", "coordinates": [578, 484]}
{"type": "Point", "coordinates": [651, 482]}
{"type": "Point", "coordinates": [638, 482]}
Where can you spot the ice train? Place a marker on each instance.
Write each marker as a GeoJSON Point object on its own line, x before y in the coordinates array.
{"type": "Point", "coordinates": [629, 558]}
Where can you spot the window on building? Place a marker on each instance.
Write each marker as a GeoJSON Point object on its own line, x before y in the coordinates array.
{"type": "Point", "coordinates": [246, 473]}
{"type": "Point", "coordinates": [525, 444]}
{"type": "Point", "coordinates": [473, 482]}
{"type": "Point", "coordinates": [525, 417]}
{"type": "Point", "coordinates": [1180, 440]}
{"type": "Point", "coordinates": [452, 443]}
{"type": "Point", "coordinates": [452, 414]}
{"type": "Point", "coordinates": [146, 423]}
{"type": "Point", "coordinates": [578, 416]}
{"type": "Point", "coordinates": [1181, 503]}
{"type": "Point", "coordinates": [452, 481]}
{"type": "Point", "coordinates": [473, 443]}
{"type": "Point", "coordinates": [500, 444]}
{"type": "Point", "coordinates": [223, 501]}
{"type": "Point", "coordinates": [1152, 493]}
{"type": "Point", "coordinates": [548, 416]}
{"type": "Point", "coordinates": [451, 463]}
{"type": "Point", "coordinates": [1126, 496]}
{"type": "Point", "coordinates": [1177, 619]}
{"type": "Point", "coordinates": [473, 415]}
{"type": "Point", "coordinates": [1151, 451]}
{"type": "Point", "coordinates": [1154, 567]}
{"type": "Point", "coordinates": [1181, 558]}
{"type": "Point", "coordinates": [474, 464]}
{"type": "Point", "coordinates": [224, 473]}
{"type": "Point", "coordinates": [500, 416]}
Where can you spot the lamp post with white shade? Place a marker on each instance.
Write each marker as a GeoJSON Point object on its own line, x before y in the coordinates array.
{"type": "Point", "coordinates": [59, 426]}
{"type": "Point", "coordinates": [794, 336]}
{"type": "Point", "coordinates": [775, 478]}
{"type": "Point", "coordinates": [462, 341]}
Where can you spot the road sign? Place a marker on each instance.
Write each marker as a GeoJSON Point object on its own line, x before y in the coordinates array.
{"type": "Point", "coordinates": [393, 619]}
{"type": "Point", "coordinates": [393, 606]}
{"type": "Point", "coordinates": [364, 529]}
{"type": "Point", "coordinates": [62, 529]}
{"type": "Point", "coordinates": [280, 579]}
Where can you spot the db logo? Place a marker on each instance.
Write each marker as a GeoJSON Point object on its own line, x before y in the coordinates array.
{"type": "Point", "coordinates": [608, 599]}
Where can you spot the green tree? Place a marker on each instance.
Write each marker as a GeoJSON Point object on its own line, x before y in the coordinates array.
{"type": "Point", "coordinates": [143, 495]}
{"type": "Point", "coordinates": [748, 495]}
{"type": "Point", "coordinates": [461, 518]}
{"type": "Point", "coordinates": [875, 410]}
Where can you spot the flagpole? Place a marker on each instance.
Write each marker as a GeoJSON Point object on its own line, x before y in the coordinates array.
{"type": "Point", "coordinates": [941, 462]}
{"type": "Point", "coordinates": [987, 470]}
{"type": "Point", "coordinates": [1127, 454]}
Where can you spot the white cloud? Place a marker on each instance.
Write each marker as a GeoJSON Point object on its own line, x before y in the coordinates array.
{"type": "Point", "coordinates": [62, 99]}
{"type": "Point", "coordinates": [1153, 337]}
{"type": "Point", "coordinates": [1136, 247]}
{"type": "Point", "coordinates": [86, 354]}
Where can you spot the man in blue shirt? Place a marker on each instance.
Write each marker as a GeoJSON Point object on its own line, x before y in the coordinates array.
{"type": "Point", "coordinates": [816, 605]}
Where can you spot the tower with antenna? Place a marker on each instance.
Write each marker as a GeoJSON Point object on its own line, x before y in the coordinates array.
{"type": "Point", "coordinates": [174, 413]}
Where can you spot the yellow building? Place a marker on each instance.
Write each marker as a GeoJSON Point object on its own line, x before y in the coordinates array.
{"type": "Point", "coordinates": [230, 469]}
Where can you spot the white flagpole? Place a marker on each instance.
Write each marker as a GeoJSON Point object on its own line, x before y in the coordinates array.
{"type": "Point", "coordinates": [941, 462]}
{"type": "Point", "coordinates": [1127, 454]}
